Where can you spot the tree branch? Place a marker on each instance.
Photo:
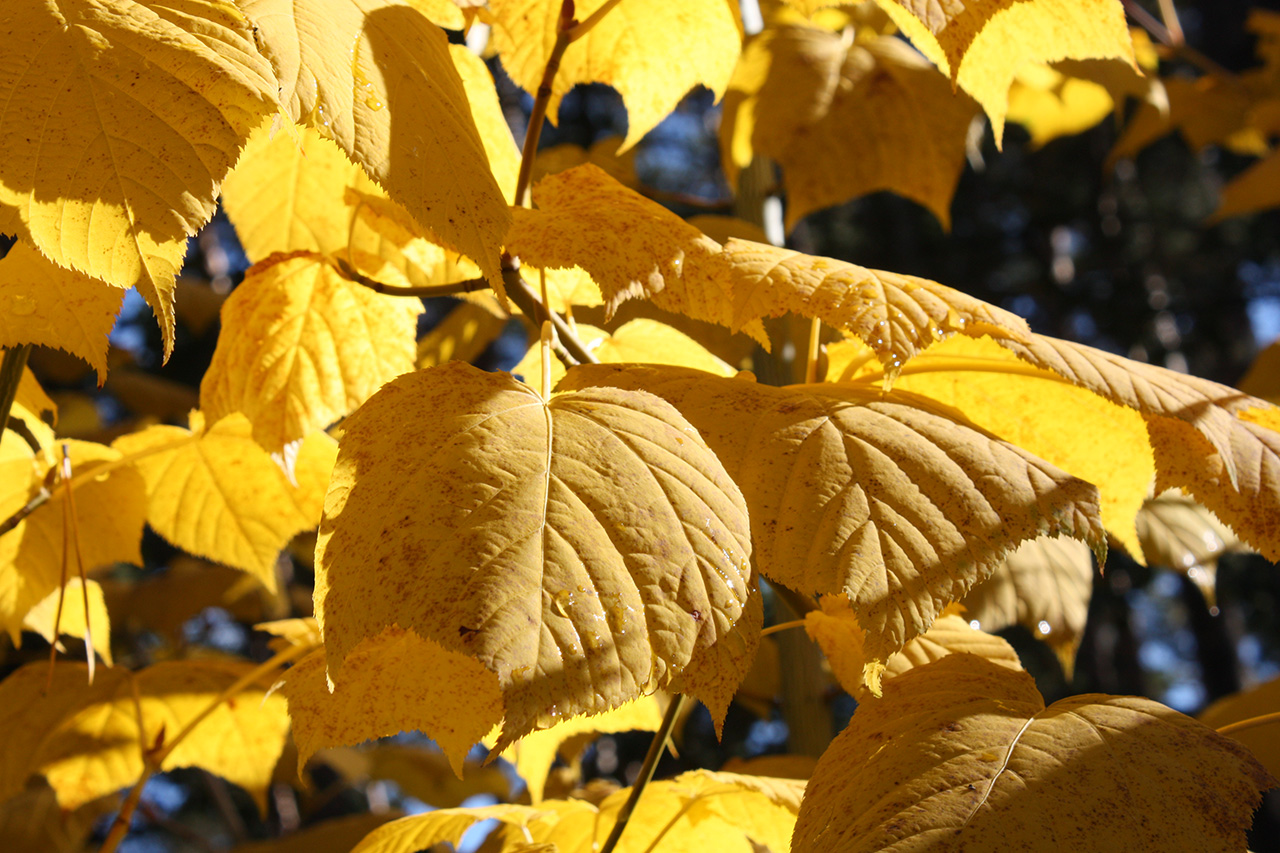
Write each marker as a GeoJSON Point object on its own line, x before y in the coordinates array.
{"type": "Point", "coordinates": [568, 347]}
{"type": "Point", "coordinates": [453, 288]}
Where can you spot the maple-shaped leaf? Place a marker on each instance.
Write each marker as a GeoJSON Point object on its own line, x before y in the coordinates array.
{"type": "Point", "coordinates": [75, 620]}
{"type": "Point", "coordinates": [213, 491]}
{"type": "Point", "coordinates": [844, 120]}
{"type": "Point", "coordinates": [653, 52]}
{"type": "Point", "coordinates": [31, 554]}
{"type": "Point", "coordinates": [120, 119]}
{"type": "Point", "coordinates": [1218, 444]}
{"type": "Point", "coordinates": [534, 753]}
{"type": "Point", "coordinates": [394, 681]}
{"type": "Point", "coordinates": [301, 346]}
{"type": "Point", "coordinates": [896, 315]}
{"type": "Point", "coordinates": [632, 247]}
{"type": "Point", "coordinates": [643, 341]}
{"type": "Point", "coordinates": [88, 739]}
{"type": "Point", "coordinates": [395, 70]}
{"type": "Point", "coordinates": [835, 628]}
{"type": "Point", "coordinates": [1032, 408]}
{"type": "Point", "coordinates": [1045, 586]}
{"type": "Point", "coordinates": [583, 549]}
{"type": "Point", "coordinates": [894, 501]}
{"type": "Point", "coordinates": [982, 44]}
{"type": "Point", "coordinates": [978, 759]}
{"type": "Point", "coordinates": [43, 303]}
{"type": "Point", "coordinates": [696, 811]}
{"type": "Point", "coordinates": [1257, 702]}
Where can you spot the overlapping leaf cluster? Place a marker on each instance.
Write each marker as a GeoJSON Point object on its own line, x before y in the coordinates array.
{"type": "Point", "coordinates": [497, 556]}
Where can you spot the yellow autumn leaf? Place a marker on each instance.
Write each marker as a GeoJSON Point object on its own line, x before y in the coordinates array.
{"type": "Point", "coordinates": [1263, 376]}
{"type": "Point", "coordinates": [88, 739]}
{"type": "Point", "coordinates": [387, 244]}
{"type": "Point", "coordinates": [394, 63]}
{"type": "Point", "coordinates": [32, 397]}
{"type": "Point", "coordinates": [845, 119]}
{"type": "Point", "coordinates": [1177, 532]}
{"type": "Point", "coordinates": [43, 303]}
{"type": "Point", "coordinates": [1045, 586]}
{"type": "Point", "coordinates": [643, 341]}
{"type": "Point", "coordinates": [121, 119]}
{"type": "Point", "coordinates": [978, 760]}
{"type": "Point", "coordinates": [598, 528]}
{"type": "Point", "coordinates": [696, 811]}
{"type": "Point", "coordinates": [1049, 104]}
{"type": "Point", "coordinates": [534, 753]}
{"type": "Point", "coordinates": [894, 501]}
{"type": "Point", "coordinates": [301, 346]}
{"type": "Point", "coordinates": [604, 152]}
{"type": "Point", "coordinates": [835, 628]}
{"type": "Point", "coordinates": [31, 822]}
{"type": "Point", "coordinates": [1247, 705]}
{"type": "Point", "coordinates": [1208, 439]}
{"type": "Point", "coordinates": [31, 554]}
{"type": "Point", "coordinates": [424, 831]}
{"type": "Point", "coordinates": [896, 315]}
{"type": "Point", "coordinates": [983, 44]}
{"type": "Point", "coordinates": [652, 51]}
{"type": "Point", "coordinates": [213, 491]}
{"type": "Point", "coordinates": [632, 247]}
{"type": "Point", "coordinates": [1034, 409]}
{"type": "Point", "coordinates": [421, 772]}
{"type": "Point", "coordinates": [74, 617]}
{"type": "Point", "coordinates": [393, 681]}
{"type": "Point", "coordinates": [1210, 110]}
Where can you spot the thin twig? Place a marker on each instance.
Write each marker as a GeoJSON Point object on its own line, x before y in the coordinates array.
{"type": "Point", "coordinates": [656, 748]}
{"type": "Point", "coordinates": [1171, 22]}
{"type": "Point", "coordinates": [542, 100]}
{"type": "Point", "coordinates": [453, 288]}
{"type": "Point", "coordinates": [783, 626]}
{"type": "Point", "coordinates": [1174, 42]}
{"type": "Point", "coordinates": [1252, 722]}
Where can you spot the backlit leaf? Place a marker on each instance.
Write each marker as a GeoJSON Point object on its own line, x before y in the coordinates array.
{"type": "Point", "coordinates": [88, 740]}
{"type": "Point", "coordinates": [31, 554]}
{"type": "Point", "coordinates": [896, 315]}
{"type": "Point", "coordinates": [631, 247]}
{"type": "Point", "coordinates": [43, 303]}
{"type": "Point", "coordinates": [584, 550]}
{"type": "Point", "coordinates": [1050, 104]}
{"type": "Point", "coordinates": [978, 760]}
{"type": "Point", "coordinates": [603, 153]}
{"type": "Point", "coordinates": [1034, 409]}
{"type": "Point", "coordinates": [74, 618]}
{"type": "Point", "coordinates": [982, 44]}
{"type": "Point", "coordinates": [213, 491]}
{"type": "Point", "coordinates": [643, 341]}
{"type": "Point", "coordinates": [120, 119]}
{"type": "Point", "coordinates": [652, 51]}
{"type": "Point", "coordinates": [301, 346]}
{"type": "Point", "coordinates": [835, 628]}
{"type": "Point", "coordinates": [1045, 586]}
{"type": "Point", "coordinates": [347, 68]}
{"type": "Point", "coordinates": [424, 831]}
{"type": "Point", "coordinates": [1177, 532]}
{"type": "Point", "coordinates": [844, 120]}
{"type": "Point", "coordinates": [884, 497]}
{"type": "Point", "coordinates": [393, 682]}
{"type": "Point", "coordinates": [1257, 702]}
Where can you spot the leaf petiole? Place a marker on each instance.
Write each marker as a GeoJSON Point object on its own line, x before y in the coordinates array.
{"type": "Point", "coordinates": [656, 747]}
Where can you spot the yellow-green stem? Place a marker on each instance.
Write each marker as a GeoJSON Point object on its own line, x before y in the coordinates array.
{"type": "Point", "coordinates": [1251, 723]}
{"type": "Point", "coordinates": [815, 347]}
{"type": "Point", "coordinates": [782, 626]}
{"type": "Point", "coordinates": [656, 748]}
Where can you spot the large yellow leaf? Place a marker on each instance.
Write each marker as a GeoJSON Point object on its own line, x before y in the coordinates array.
{"type": "Point", "coordinates": [1257, 702]}
{"type": "Point", "coordinates": [643, 340]}
{"type": "Point", "coordinates": [88, 740]}
{"type": "Point", "coordinates": [1044, 586]}
{"type": "Point", "coordinates": [652, 51]}
{"type": "Point", "coordinates": [695, 812]}
{"type": "Point", "coordinates": [1217, 443]}
{"type": "Point", "coordinates": [110, 512]}
{"type": "Point", "coordinates": [888, 498]}
{"type": "Point", "coordinates": [301, 346]}
{"type": "Point", "coordinates": [585, 549]}
{"type": "Point", "coordinates": [1034, 409]}
{"type": "Point", "coordinates": [844, 120]}
{"type": "Point", "coordinates": [377, 77]}
{"type": "Point", "coordinates": [979, 764]}
{"type": "Point", "coordinates": [393, 682]}
{"type": "Point", "coordinates": [896, 315]}
{"type": "Point", "coordinates": [120, 119]}
{"type": "Point", "coordinates": [213, 491]}
{"type": "Point", "coordinates": [630, 246]}
{"type": "Point", "coordinates": [43, 303]}
{"type": "Point", "coordinates": [982, 44]}
{"type": "Point", "coordinates": [835, 628]}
